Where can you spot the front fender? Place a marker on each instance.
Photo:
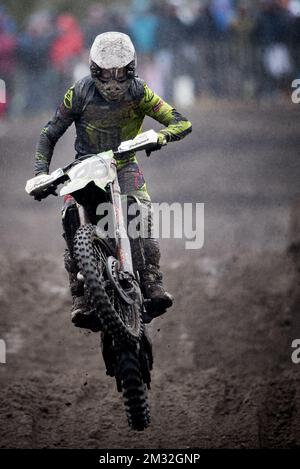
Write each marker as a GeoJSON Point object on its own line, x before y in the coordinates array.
{"type": "Point", "coordinates": [97, 169]}
{"type": "Point", "coordinates": [75, 185]}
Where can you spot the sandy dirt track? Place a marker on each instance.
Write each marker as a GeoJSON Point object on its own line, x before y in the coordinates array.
{"type": "Point", "coordinates": [223, 374]}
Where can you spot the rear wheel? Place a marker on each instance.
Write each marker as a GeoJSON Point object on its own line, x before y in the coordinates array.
{"type": "Point", "coordinates": [134, 390]}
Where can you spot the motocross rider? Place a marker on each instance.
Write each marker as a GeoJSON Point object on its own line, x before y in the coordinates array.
{"type": "Point", "coordinates": [109, 107]}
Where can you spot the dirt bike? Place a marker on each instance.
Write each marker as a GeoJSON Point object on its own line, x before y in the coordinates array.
{"type": "Point", "coordinates": [111, 283]}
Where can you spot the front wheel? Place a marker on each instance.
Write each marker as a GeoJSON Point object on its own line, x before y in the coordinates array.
{"type": "Point", "coordinates": [117, 318]}
{"type": "Point", "coordinates": [123, 338]}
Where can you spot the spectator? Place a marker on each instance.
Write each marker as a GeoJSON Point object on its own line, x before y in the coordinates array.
{"type": "Point", "coordinates": [33, 54]}
{"type": "Point", "coordinates": [223, 14]}
{"type": "Point", "coordinates": [7, 22]}
{"type": "Point", "coordinates": [117, 20]}
{"type": "Point", "coordinates": [272, 25]}
{"type": "Point", "coordinates": [96, 22]}
{"type": "Point", "coordinates": [143, 29]}
{"type": "Point", "coordinates": [66, 50]}
{"type": "Point", "coordinates": [170, 37]}
{"type": "Point", "coordinates": [272, 34]}
{"type": "Point", "coordinates": [244, 21]}
{"type": "Point", "coordinates": [7, 63]}
{"type": "Point", "coordinates": [244, 53]}
{"type": "Point", "coordinates": [210, 42]}
{"type": "Point", "coordinates": [295, 39]}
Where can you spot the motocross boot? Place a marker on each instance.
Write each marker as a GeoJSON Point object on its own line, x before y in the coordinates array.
{"type": "Point", "coordinates": [158, 299]}
{"type": "Point", "coordinates": [79, 309]}
{"type": "Point", "coordinates": [81, 315]}
{"type": "Point", "coordinates": [79, 306]}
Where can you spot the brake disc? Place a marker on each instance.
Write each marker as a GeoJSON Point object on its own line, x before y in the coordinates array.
{"type": "Point", "coordinates": [115, 276]}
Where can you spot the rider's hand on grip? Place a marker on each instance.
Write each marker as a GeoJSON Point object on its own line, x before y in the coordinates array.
{"type": "Point", "coordinates": [43, 194]}
{"type": "Point", "coordinates": [161, 142]}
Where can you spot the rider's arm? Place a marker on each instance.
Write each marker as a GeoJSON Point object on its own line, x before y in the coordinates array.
{"type": "Point", "coordinates": [63, 118]}
{"type": "Point", "coordinates": [177, 126]}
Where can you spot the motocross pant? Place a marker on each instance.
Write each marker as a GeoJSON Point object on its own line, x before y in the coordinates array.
{"type": "Point", "coordinates": [145, 249]}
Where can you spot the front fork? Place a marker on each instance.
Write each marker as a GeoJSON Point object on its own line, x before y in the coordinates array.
{"type": "Point", "coordinates": [122, 241]}
{"type": "Point", "coordinates": [83, 216]}
{"type": "Point", "coordinates": [78, 216]}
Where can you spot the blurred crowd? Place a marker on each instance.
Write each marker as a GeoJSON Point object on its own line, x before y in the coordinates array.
{"type": "Point", "coordinates": [185, 48]}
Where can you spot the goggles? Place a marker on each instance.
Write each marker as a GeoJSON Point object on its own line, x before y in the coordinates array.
{"type": "Point", "coordinates": [105, 74]}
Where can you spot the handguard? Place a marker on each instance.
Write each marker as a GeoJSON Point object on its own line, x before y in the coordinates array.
{"type": "Point", "coordinates": [43, 185]}
{"type": "Point", "coordinates": [148, 141]}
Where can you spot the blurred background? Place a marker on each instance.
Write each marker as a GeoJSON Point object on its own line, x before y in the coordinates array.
{"type": "Point", "coordinates": [232, 49]}
{"type": "Point", "coordinates": [223, 374]}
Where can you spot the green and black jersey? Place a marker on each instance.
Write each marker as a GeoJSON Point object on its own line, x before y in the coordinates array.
{"type": "Point", "coordinates": [102, 125]}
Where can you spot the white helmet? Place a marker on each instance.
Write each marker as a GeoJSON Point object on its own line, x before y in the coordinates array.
{"type": "Point", "coordinates": [112, 64]}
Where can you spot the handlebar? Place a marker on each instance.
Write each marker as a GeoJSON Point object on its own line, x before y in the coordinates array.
{"type": "Point", "coordinates": [40, 188]}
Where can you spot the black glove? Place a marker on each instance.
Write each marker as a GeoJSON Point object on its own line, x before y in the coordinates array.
{"type": "Point", "coordinates": [161, 141]}
{"type": "Point", "coordinates": [45, 192]}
